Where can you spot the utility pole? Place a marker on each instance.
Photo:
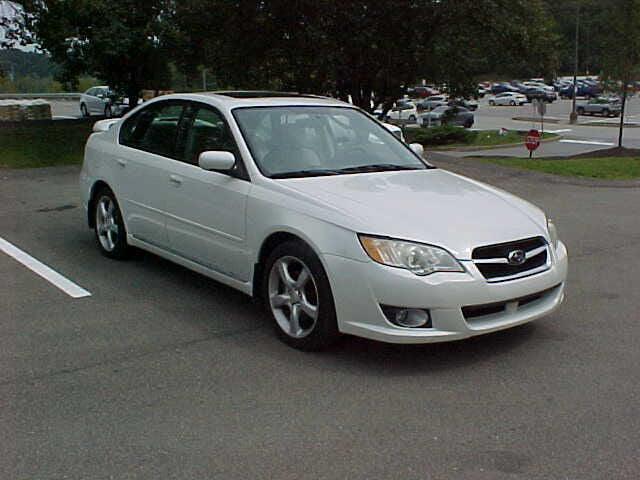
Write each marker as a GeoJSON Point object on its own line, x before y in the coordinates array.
{"type": "Point", "coordinates": [573, 117]}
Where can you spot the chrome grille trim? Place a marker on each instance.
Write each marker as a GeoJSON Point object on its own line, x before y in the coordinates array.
{"type": "Point", "coordinates": [503, 261]}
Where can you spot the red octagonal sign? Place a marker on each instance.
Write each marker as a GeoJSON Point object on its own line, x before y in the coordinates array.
{"type": "Point", "coordinates": [533, 140]}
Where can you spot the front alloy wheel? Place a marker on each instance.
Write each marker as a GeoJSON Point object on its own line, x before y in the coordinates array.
{"type": "Point", "coordinates": [297, 294]}
{"type": "Point", "coordinates": [293, 297]}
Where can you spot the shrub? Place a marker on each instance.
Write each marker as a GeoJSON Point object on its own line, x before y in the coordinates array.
{"type": "Point", "coordinates": [443, 135]}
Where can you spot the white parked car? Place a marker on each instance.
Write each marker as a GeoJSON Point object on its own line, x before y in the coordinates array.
{"type": "Point", "coordinates": [315, 207]}
{"type": "Point", "coordinates": [508, 98]}
{"type": "Point", "coordinates": [403, 111]}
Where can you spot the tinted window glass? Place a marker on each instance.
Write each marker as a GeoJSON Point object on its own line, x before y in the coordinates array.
{"type": "Point", "coordinates": [208, 132]}
{"type": "Point", "coordinates": [153, 129]}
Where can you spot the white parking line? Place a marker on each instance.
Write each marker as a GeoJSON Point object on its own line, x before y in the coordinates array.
{"type": "Point", "coordinates": [587, 142]}
{"type": "Point", "coordinates": [563, 130]}
{"type": "Point", "coordinates": [53, 277]}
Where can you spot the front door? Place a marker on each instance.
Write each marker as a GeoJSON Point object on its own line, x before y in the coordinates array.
{"type": "Point", "coordinates": [206, 211]}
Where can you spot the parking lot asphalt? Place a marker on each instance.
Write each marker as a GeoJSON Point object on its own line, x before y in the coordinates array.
{"type": "Point", "coordinates": [162, 373]}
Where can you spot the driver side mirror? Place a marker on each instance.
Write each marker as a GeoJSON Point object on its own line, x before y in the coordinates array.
{"type": "Point", "coordinates": [216, 160]}
{"type": "Point", "coordinates": [417, 148]}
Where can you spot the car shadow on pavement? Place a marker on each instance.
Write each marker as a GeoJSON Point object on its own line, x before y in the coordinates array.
{"type": "Point", "coordinates": [396, 359]}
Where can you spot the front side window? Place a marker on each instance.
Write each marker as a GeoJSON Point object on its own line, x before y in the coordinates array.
{"type": "Point", "coordinates": [307, 141]}
{"type": "Point", "coordinates": [208, 131]}
{"type": "Point", "coordinates": [153, 129]}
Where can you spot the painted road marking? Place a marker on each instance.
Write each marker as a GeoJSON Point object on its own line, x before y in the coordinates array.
{"type": "Point", "coordinates": [587, 142]}
{"type": "Point", "coordinates": [563, 130]}
{"type": "Point", "coordinates": [36, 266]}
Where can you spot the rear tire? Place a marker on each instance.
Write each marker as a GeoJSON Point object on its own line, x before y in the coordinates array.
{"type": "Point", "coordinates": [111, 235]}
{"type": "Point", "coordinates": [297, 293]}
{"type": "Point", "coordinates": [580, 111]}
{"type": "Point", "coordinates": [83, 110]}
{"type": "Point", "coordinates": [108, 112]}
{"type": "Point", "coordinates": [606, 112]}
{"type": "Point", "coordinates": [512, 103]}
{"type": "Point", "coordinates": [492, 103]}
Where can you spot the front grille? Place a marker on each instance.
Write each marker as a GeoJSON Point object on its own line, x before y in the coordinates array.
{"type": "Point", "coordinates": [494, 263]}
{"type": "Point", "coordinates": [471, 312]}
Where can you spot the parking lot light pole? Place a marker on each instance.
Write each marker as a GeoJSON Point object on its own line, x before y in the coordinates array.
{"type": "Point", "coordinates": [573, 117]}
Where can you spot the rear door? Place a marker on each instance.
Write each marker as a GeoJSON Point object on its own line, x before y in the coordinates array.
{"type": "Point", "coordinates": [206, 210]}
{"type": "Point", "coordinates": [146, 154]}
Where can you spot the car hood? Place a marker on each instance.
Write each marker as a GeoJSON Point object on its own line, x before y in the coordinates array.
{"type": "Point", "coordinates": [430, 206]}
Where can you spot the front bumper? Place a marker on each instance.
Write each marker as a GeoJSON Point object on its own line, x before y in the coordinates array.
{"type": "Point", "coordinates": [359, 288]}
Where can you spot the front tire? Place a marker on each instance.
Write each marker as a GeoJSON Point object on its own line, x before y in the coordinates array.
{"type": "Point", "coordinates": [492, 103]}
{"type": "Point", "coordinates": [111, 235]}
{"type": "Point", "coordinates": [297, 293]}
{"type": "Point", "coordinates": [83, 110]}
{"type": "Point", "coordinates": [108, 112]}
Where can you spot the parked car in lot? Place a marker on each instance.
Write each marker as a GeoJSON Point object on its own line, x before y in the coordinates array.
{"type": "Point", "coordinates": [431, 103]}
{"type": "Point", "coordinates": [316, 208]}
{"type": "Point", "coordinates": [102, 101]}
{"type": "Point", "coordinates": [447, 115]}
{"type": "Point", "coordinates": [583, 89]}
{"type": "Point", "coordinates": [537, 93]}
{"type": "Point", "coordinates": [403, 111]}
{"type": "Point", "coordinates": [605, 106]}
{"type": "Point", "coordinates": [508, 98]}
{"type": "Point", "coordinates": [422, 92]}
{"type": "Point", "coordinates": [503, 87]}
{"type": "Point", "coordinates": [470, 105]}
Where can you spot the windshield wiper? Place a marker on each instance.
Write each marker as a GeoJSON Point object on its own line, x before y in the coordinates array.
{"type": "Point", "coordinates": [378, 167]}
{"type": "Point", "coordinates": [306, 173]}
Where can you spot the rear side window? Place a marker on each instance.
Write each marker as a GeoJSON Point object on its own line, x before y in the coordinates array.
{"type": "Point", "coordinates": [153, 129]}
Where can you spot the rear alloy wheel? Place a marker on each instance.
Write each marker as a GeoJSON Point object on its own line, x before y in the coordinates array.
{"type": "Point", "coordinates": [83, 110]}
{"type": "Point", "coordinates": [412, 118]}
{"type": "Point", "coordinates": [512, 103]}
{"type": "Point", "coordinates": [297, 292]}
{"type": "Point", "coordinates": [492, 103]}
{"type": "Point", "coordinates": [109, 227]}
{"type": "Point", "coordinates": [606, 112]}
{"type": "Point", "coordinates": [580, 111]}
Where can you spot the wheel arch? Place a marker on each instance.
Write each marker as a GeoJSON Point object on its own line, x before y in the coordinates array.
{"type": "Point", "coordinates": [268, 245]}
{"type": "Point", "coordinates": [95, 188]}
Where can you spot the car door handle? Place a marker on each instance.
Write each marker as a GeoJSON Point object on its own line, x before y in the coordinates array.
{"type": "Point", "coordinates": [176, 180]}
{"type": "Point", "coordinates": [121, 162]}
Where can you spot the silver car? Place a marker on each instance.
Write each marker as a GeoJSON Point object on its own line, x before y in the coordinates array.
{"type": "Point", "coordinates": [101, 101]}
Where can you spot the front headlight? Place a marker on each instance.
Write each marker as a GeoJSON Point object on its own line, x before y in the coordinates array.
{"type": "Point", "coordinates": [416, 257]}
{"type": "Point", "coordinates": [553, 233]}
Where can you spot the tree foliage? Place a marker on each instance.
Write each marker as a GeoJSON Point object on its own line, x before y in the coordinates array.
{"type": "Point", "coordinates": [621, 41]}
{"type": "Point", "coordinates": [361, 47]}
{"type": "Point", "coordinates": [120, 41]}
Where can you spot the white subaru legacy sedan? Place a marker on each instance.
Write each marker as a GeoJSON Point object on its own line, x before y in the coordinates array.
{"type": "Point", "coordinates": [316, 208]}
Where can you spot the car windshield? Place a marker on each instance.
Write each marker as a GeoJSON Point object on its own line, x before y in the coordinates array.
{"type": "Point", "coordinates": [313, 141]}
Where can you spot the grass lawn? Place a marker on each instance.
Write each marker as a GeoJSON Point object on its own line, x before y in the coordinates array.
{"type": "Point", "coordinates": [448, 136]}
{"type": "Point", "coordinates": [608, 168]}
{"type": "Point", "coordinates": [43, 145]}
{"type": "Point", "coordinates": [491, 137]}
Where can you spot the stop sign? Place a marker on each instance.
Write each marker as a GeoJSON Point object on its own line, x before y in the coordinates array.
{"type": "Point", "coordinates": [533, 140]}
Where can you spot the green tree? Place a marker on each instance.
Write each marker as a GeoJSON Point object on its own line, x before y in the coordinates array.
{"type": "Point", "coordinates": [120, 42]}
{"type": "Point", "coordinates": [361, 49]}
{"type": "Point", "coordinates": [621, 64]}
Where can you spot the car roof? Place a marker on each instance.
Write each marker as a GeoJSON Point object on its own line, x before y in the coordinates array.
{"type": "Point", "coordinates": [229, 100]}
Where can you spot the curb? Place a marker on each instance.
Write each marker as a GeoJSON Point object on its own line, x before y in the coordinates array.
{"type": "Point", "coordinates": [471, 148]}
